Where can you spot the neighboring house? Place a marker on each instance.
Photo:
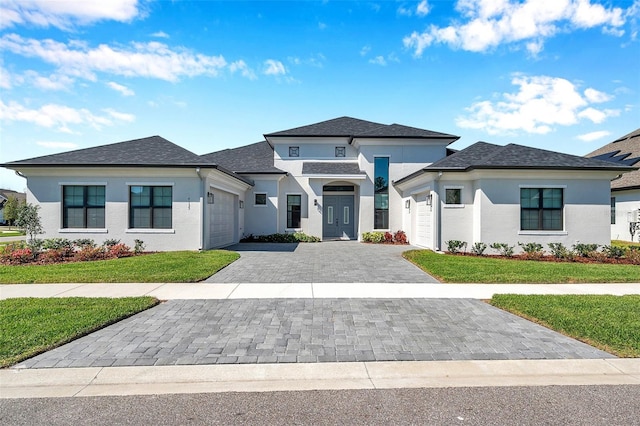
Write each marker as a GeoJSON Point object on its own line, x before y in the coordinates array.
{"type": "Point", "coordinates": [625, 190]}
{"type": "Point", "coordinates": [335, 179]}
{"type": "Point", "coordinates": [4, 197]}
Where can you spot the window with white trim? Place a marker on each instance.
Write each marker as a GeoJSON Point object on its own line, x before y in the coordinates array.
{"type": "Point", "coordinates": [83, 206]}
{"type": "Point", "coordinates": [541, 209]}
{"type": "Point", "coordinates": [150, 206]}
{"type": "Point", "coordinates": [294, 209]}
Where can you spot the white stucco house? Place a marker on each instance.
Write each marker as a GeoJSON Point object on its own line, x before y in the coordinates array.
{"type": "Point", "coordinates": [335, 180]}
{"type": "Point", "coordinates": [625, 190]}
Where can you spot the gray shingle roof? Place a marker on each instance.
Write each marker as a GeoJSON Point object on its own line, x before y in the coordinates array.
{"type": "Point", "coordinates": [624, 151]}
{"type": "Point", "coordinates": [483, 155]}
{"type": "Point", "coordinates": [331, 168]}
{"type": "Point", "coordinates": [151, 151]}
{"type": "Point", "coordinates": [256, 158]}
{"type": "Point", "coordinates": [353, 128]}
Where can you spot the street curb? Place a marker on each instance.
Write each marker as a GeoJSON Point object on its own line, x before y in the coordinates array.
{"type": "Point", "coordinates": [103, 381]}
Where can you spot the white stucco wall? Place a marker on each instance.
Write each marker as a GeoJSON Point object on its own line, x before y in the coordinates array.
{"type": "Point", "coordinates": [261, 220]}
{"type": "Point", "coordinates": [189, 228]}
{"type": "Point", "coordinates": [626, 202]}
{"type": "Point", "coordinates": [586, 210]}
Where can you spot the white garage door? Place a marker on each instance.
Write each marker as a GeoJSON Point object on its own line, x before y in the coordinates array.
{"type": "Point", "coordinates": [423, 221]}
{"type": "Point", "coordinates": [222, 218]}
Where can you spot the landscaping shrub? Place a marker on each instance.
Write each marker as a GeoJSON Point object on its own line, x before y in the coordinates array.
{"type": "Point", "coordinates": [304, 238]}
{"type": "Point", "coordinates": [373, 237]}
{"type": "Point", "coordinates": [559, 251]}
{"type": "Point", "coordinates": [503, 248]}
{"type": "Point", "coordinates": [21, 255]}
{"type": "Point", "coordinates": [400, 237]}
{"type": "Point", "coordinates": [87, 253]}
{"type": "Point", "coordinates": [119, 250]}
{"type": "Point", "coordinates": [454, 246]}
{"type": "Point", "coordinates": [585, 250]}
{"type": "Point", "coordinates": [53, 256]}
{"type": "Point", "coordinates": [388, 237]}
{"type": "Point", "coordinates": [110, 243]}
{"type": "Point", "coordinates": [633, 256]}
{"type": "Point", "coordinates": [139, 246]}
{"type": "Point", "coordinates": [296, 237]}
{"type": "Point", "coordinates": [613, 252]}
{"type": "Point", "coordinates": [61, 247]}
{"type": "Point", "coordinates": [478, 249]}
{"type": "Point", "coordinates": [532, 250]}
{"type": "Point", "coordinates": [84, 243]}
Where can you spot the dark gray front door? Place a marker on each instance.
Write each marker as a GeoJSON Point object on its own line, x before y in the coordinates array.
{"type": "Point", "coordinates": [337, 216]}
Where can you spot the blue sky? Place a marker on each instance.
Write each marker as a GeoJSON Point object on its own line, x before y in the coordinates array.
{"type": "Point", "coordinates": [208, 75]}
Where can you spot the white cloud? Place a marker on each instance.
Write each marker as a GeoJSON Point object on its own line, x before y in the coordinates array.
{"type": "Point", "coordinates": [65, 14]}
{"type": "Point", "coordinates": [598, 116]}
{"type": "Point", "coordinates": [322, 26]}
{"type": "Point", "coordinates": [153, 59]}
{"type": "Point", "coordinates": [595, 96]}
{"type": "Point", "coordinates": [243, 68]}
{"type": "Point", "coordinates": [120, 116]}
{"type": "Point", "coordinates": [365, 50]}
{"type": "Point", "coordinates": [423, 8]}
{"type": "Point", "coordinates": [487, 24]}
{"type": "Point", "coordinates": [5, 78]}
{"type": "Point", "coordinates": [404, 11]}
{"type": "Point", "coordinates": [314, 61]}
{"type": "Point", "coordinates": [57, 145]}
{"type": "Point", "coordinates": [273, 67]}
{"type": "Point", "coordinates": [58, 116]}
{"type": "Point", "coordinates": [52, 82]}
{"type": "Point", "coordinates": [124, 90]}
{"type": "Point", "coordinates": [590, 137]}
{"type": "Point", "coordinates": [539, 104]}
{"type": "Point", "coordinates": [160, 34]}
{"type": "Point", "coordinates": [378, 60]}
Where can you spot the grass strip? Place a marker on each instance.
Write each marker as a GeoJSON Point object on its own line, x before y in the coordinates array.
{"type": "Point", "coordinates": [166, 267]}
{"type": "Point", "coordinates": [29, 326]}
{"type": "Point", "coordinates": [478, 269]}
{"type": "Point", "coordinates": [610, 323]}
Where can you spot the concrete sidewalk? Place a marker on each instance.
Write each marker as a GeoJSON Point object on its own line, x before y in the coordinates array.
{"type": "Point", "coordinates": [164, 291]}
{"type": "Point", "coordinates": [97, 381]}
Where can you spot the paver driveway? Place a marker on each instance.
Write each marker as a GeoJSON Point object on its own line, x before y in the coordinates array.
{"type": "Point", "coordinates": [326, 262]}
{"type": "Point", "coordinates": [250, 331]}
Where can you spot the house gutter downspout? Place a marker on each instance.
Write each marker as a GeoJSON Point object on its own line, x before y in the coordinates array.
{"type": "Point", "coordinates": [202, 206]}
{"type": "Point", "coordinates": [436, 202]}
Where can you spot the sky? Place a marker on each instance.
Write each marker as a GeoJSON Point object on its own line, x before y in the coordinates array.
{"type": "Point", "coordinates": [562, 75]}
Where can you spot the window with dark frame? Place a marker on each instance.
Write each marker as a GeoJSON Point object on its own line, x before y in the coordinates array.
{"type": "Point", "coordinates": [453, 196]}
{"type": "Point", "coordinates": [260, 199]}
{"type": "Point", "coordinates": [294, 151]}
{"type": "Point", "coordinates": [613, 210]}
{"type": "Point", "coordinates": [541, 209]}
{"type": "Point", "coordinates": [341, 151]}
{"type": "Point", "coordinates": [294, 204]}
{"type": "Point", "coordinates": [83, 206]}
{"type": "Point", "coordinates": [150, 207]}
{"type": "Point", "coordinates": [381, 193]}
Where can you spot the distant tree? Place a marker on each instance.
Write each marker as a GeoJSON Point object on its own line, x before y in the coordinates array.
{"type": "Point", "coordinates": [28, 220]}
{"type": "Point", "coordinates": [11, 209]}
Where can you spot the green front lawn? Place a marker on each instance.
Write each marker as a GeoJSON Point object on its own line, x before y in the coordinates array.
{"type": "Point", "coordinates": [31, 326]}
{"type": "Point", "coordinates": [610, 323]}
{"type": "Point", "coordinates": [11, 233]}
{"type": "Point", "coordinates": [478, 269]}
{"type": "Point", "coordinates": [167, 267]}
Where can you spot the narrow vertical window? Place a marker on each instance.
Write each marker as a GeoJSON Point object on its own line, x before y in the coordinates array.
{"type": "Point", "coordinates": [345, 215]}
{"type": "Point", "coordinates": [83, 206]}
{"type": "Point", "coordinates": [330, 215]}
{"type": "Point", "coordinates": [294, 203]}
{"type": "Point", "coordinates": [381, 193]}
{"type": "Point", "coordinates": [613, 210]}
